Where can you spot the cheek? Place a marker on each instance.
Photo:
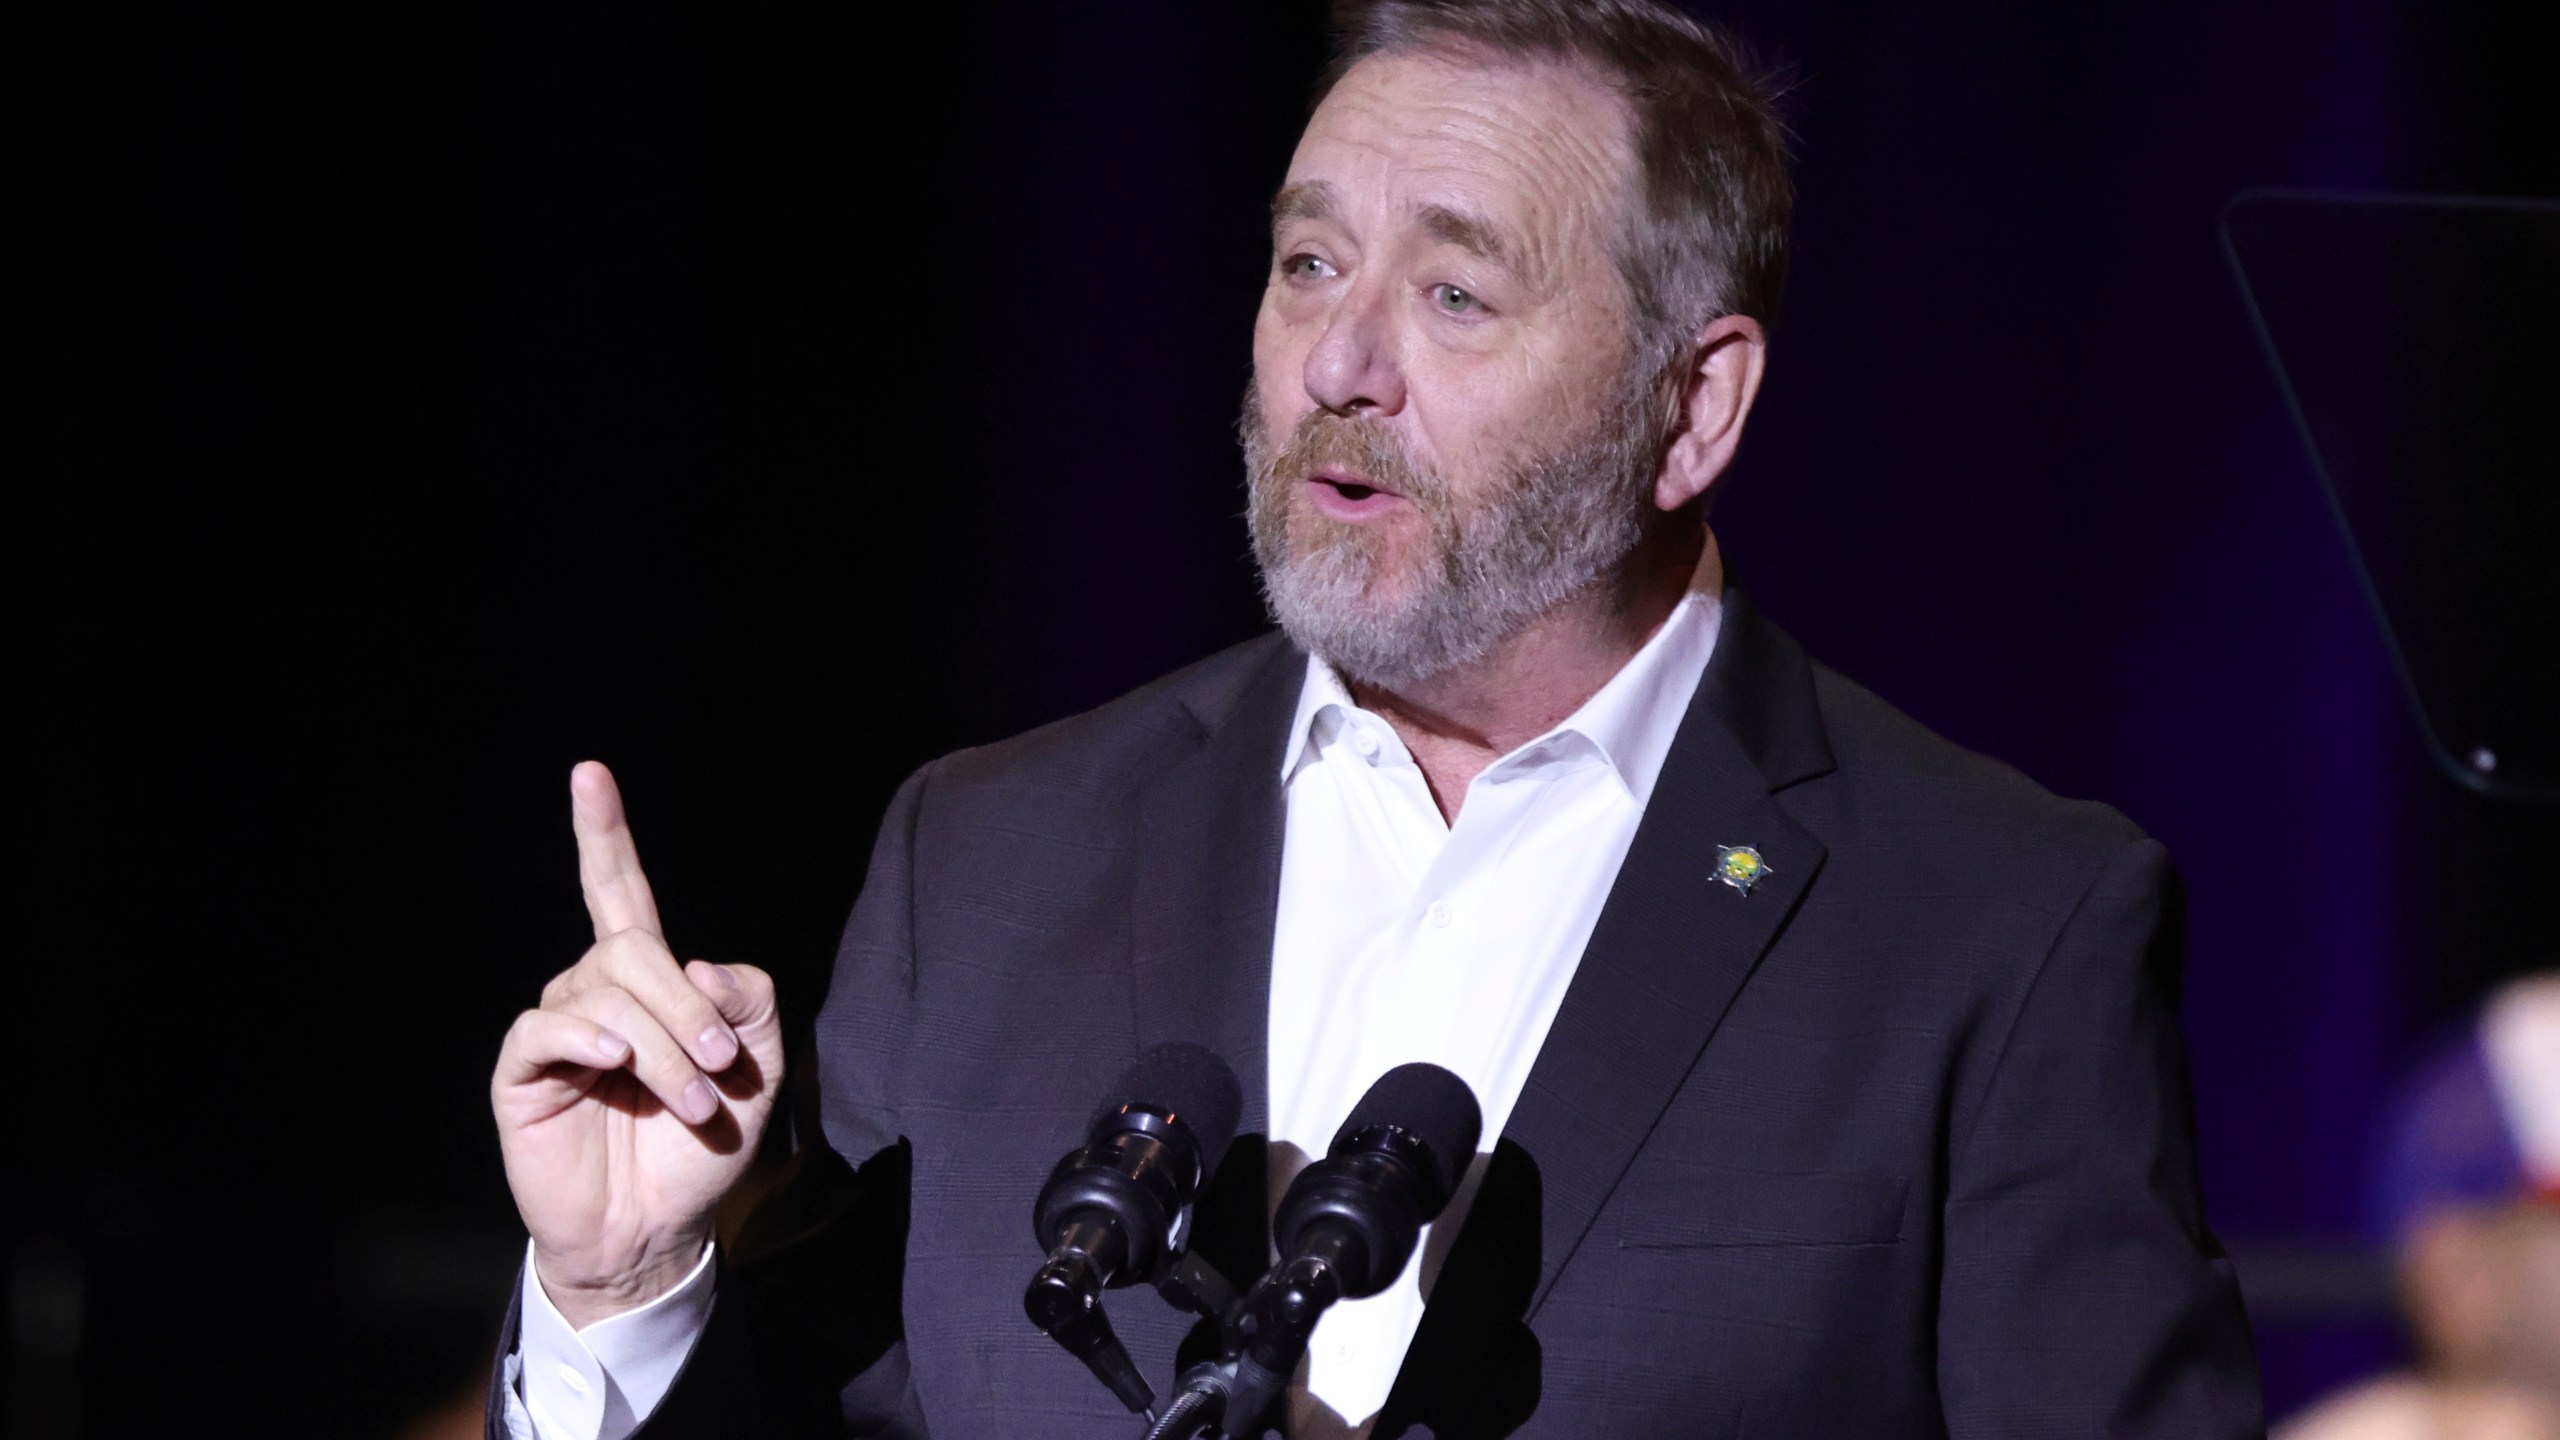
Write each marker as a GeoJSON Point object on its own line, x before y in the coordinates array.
{"type": "Point", "coordinates": [1469, 415]}
{"type": "Point", "coordinates": [1287, 329]}
{"type": "Point", "coordinates": [1279, 396]}
{"type": "Point", "coordinates": [1485, 409]}
{"type": "Point", "coordinates": [1279, 371]}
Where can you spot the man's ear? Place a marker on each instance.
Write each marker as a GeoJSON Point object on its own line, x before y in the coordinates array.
{"type": "Point", "coordinates": [1714, 398]}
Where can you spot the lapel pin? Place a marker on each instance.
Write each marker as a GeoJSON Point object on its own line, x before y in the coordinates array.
{"type": "Point", "coordinates": [1741, 867]}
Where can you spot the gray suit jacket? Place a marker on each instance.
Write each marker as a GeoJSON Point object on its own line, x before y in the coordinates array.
{"type": "Point", "coordinates": [1897, 1144]}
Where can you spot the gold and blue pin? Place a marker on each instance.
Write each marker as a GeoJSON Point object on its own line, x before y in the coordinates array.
{"type": "Point", "coordinates": [1741, 867]}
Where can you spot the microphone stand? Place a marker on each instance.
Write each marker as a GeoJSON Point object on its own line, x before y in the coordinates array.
{"type": "Point", "coordinates": [1065, 1301]}
{"type": "Point", "coordinates": [1265, 1338]}
{"type": "Point", "coordinates": [1195, 1285]}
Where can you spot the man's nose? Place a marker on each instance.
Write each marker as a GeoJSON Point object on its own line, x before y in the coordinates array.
{"type": "Point", "coordinates": [1353, 366]}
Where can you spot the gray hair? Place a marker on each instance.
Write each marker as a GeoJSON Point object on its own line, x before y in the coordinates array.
{"type": "Point", "coordinates": [1708, 236]}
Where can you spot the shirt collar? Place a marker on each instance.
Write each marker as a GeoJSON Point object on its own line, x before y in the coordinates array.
{"type": "Point", "coordinates": [1630, 721]}
{"type": "Point", "coordinates": [1634, 717]}
{"type": "Point", "coordinates": [1319, 699]}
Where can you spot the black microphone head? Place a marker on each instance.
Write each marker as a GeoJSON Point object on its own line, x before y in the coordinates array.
{"type": "Point", "coordinates": [1190, 1083]}
{"type": "Point", "coordinates": [1433, 1107]}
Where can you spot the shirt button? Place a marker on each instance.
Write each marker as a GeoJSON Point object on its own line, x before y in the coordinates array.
{"type": "Point", "coordinates": [1439, 914]}
{"type": "Point", "coordinates": [570, 1377]}
{"type": "Point", "coordinates": [1365, 743]}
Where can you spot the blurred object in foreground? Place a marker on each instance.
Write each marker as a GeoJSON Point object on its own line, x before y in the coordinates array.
{"type": "Point", "coordinates": [463, 1416]}
{"type": "Point", "coordinates": [2412, 336]}
{"type": "Point", "coordinates": [2469, 1201]}
{"type": "Point", "coordinates": [48, 1304]}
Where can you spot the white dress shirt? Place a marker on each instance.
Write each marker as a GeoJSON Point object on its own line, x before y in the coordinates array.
{"type": "Point", "coordinates": [599, 1383]}
{"type": "Point", "coordinates": [1400, 938]}
{"type": "Point", "coordinates": [1404, 938]}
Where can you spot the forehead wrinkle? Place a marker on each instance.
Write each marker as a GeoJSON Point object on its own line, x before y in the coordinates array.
{"type": "Point", "coordinates": [1468, 143]}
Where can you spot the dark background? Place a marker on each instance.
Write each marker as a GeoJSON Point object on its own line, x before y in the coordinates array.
{"type": "Point", "coordinates": [768, 398]}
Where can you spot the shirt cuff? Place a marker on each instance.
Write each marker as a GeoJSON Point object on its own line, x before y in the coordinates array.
{"type": "Point", "coordinates": [601, 1382]}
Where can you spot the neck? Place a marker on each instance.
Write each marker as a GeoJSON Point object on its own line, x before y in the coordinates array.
{"type": "Point", "coordinates": [1460, 721]}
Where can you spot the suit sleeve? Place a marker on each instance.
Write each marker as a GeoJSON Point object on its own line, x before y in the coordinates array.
{"type": "Point", "coordinates": [2081, 1293]}
{"type": "Point", "coordinates": [804, 1336]}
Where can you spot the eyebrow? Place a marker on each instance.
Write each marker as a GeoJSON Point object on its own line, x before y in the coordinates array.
{"type": "Point", "coordinates": [1306, 200]}
{"type": "Point", "coordinates": [1317, 200]}
{"type": "Point", "coordinates": [1471, 233]}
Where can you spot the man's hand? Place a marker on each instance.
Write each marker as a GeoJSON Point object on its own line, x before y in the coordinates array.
{"type": "Point", "coordinates": [631, 1101]}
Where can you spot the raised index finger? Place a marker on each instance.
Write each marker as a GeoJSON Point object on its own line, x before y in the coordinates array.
{"type": "Point", "coordinates": [608, 862]}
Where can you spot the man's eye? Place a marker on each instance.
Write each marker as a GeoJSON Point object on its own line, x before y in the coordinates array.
{"type": "Point", "coordinates": [1304, 267]}
{"type": "Point", "coordinates": [1455, 301]}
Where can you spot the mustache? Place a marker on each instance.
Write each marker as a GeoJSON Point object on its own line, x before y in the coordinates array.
{"type": "Point", "coordinates": [1323, 440]}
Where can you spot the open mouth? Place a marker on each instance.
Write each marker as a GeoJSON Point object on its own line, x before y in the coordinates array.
{"type": "Point", "coordinates": [1347, 492]}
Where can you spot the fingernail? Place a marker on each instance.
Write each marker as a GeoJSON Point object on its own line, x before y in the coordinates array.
{"type": "Point", "coordinates": [718, 1046]}
{"type": "Point", "coordinates": [726, 978]}
{"type": "Point", "coordinates": [612, 1047]}
{"type": "Point", "coordinates": [699, 1102]}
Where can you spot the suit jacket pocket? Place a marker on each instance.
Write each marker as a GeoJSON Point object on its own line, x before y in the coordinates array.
{"type": "Point", "coordinates": [1697, 1207]}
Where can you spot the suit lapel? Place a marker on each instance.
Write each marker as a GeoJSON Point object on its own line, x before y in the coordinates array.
{"type": "Point", "coordinates": [1673, 944]}
{"type": "Point", "coordinates": [1208, 877]}
{"type": "Point", "coordinates": [1670, 951]}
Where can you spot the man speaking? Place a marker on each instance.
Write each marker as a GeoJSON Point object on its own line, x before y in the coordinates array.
{"type": "Point", "coordinates": [1828, 1075]}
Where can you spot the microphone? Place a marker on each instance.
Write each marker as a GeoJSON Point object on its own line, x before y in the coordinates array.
{"type": "Point", "coordinates": [1391, 1170]}
{"type": "Point", "coordinates": [1345, 1230]}
{"type": "Point", "coordinates": [1116, 1211]}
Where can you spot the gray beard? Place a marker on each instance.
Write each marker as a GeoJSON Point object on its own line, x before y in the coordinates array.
{"type": "Point", "coordinates": [1548, 528]}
